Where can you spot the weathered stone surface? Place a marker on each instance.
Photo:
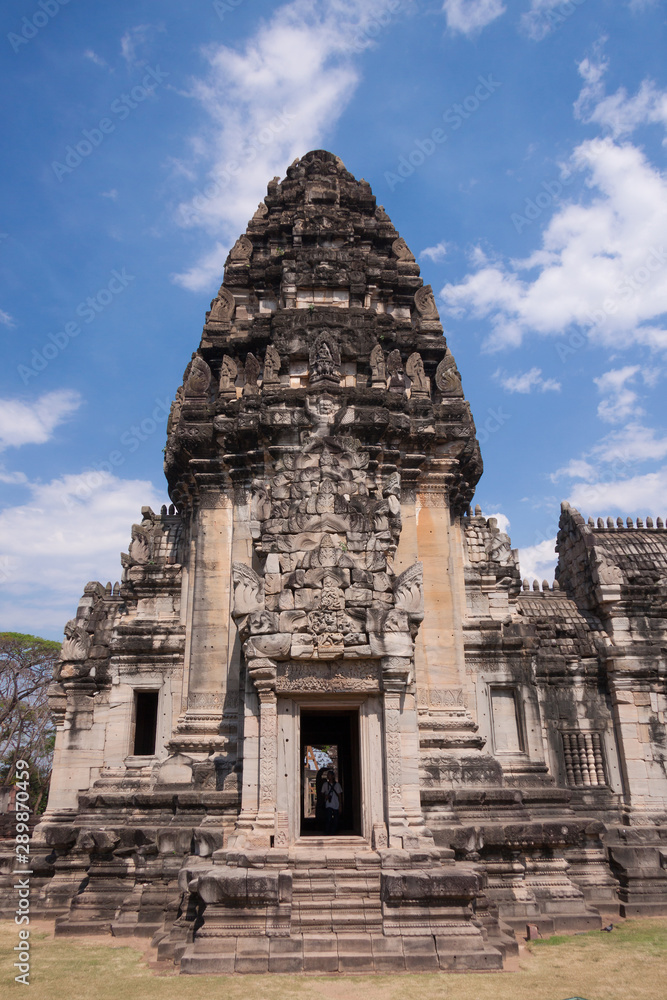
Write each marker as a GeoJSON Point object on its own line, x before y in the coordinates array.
{"type": "Point", "coordinates": [321, 559]}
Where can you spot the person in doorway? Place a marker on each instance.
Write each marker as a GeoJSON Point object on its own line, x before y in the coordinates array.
{"type": "Point", "coordinates": [333, 801]}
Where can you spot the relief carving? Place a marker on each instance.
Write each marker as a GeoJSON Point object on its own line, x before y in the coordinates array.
{"type": "Point", "coordinates": [425, 303]}
{"type": "Point", "coordinates": [199, 378]}
{"type": "Point", "coordinates": [420, 384]}
{"type": "Point", "coordinates": [222, 307]}
{"type": "Point", "coordinates": [447, 378]}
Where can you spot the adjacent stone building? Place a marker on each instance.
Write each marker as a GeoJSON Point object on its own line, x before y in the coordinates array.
{"type": "Point", "coordinates": [321, 581]}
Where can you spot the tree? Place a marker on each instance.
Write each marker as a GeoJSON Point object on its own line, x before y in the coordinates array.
{"type": "Point", "coordinates": [26, 727]}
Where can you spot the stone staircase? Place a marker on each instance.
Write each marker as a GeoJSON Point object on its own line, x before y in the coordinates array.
{"type": "Point", "coordinates": [329, 905]}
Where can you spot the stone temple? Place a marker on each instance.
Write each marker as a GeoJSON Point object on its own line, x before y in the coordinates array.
{"type": "Point", "coordinates": [322, 590]}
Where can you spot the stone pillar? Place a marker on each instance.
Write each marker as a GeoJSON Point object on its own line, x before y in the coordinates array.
{"type": "Point", "coordinates": [208, 629]}
{"type": "Point", "coordinates": [404, 817]}
{"type": "Point", "coordinates": [256, 825]}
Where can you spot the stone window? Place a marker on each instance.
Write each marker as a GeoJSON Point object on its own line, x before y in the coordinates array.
{"type": "Point", "coordinates": [507, 734]}
{"type": "Point", "coordinates": [145, 723]}
{"type": "Point", "coordinates": [584, 759]}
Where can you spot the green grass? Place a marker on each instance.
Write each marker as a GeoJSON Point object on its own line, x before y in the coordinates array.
{"type": "Point", "coordinates": [628, 964]}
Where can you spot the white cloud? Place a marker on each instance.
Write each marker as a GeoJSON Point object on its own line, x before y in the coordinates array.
{"type": "Point", "coordinates": [94, 58]}
{"type": "Point", "coordinates": [602, 264]}
{"type": "Point", "coordinates": [33, 423]}
{"type": "Point", "coordinates": [436, 253]}
{"type": "Point", "coordinates": [538, 562]}
{"type": "Point", "coordinates": [70, 531]}
{"type": "Point", "coordinates": [618, 112]}
{"type": "Point", "coordinates": [135, 39]}
{"type": "Point", "coordinates": [546, 16]}
{"type": "Point", "coordinates": [576, 468]}
{"type": "Point", "coordinates": [526, 381]}
{"type": "Point", "coordinates": [6, 319]}
{"type": "Point", "coordinates": [640, 495]}
{"type": "Point", "coordinates": [112, 194]}
{"type": "Point", "coordinates": [269, 103]}
{"type": "Point", "coordinates": [630, 444]}
{"type": "Point", "coordinates": [620, 402]}
{"type": "Point", "coordinates": [470, 16]}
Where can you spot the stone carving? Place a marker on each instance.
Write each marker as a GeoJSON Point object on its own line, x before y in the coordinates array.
{"type": "Point", "coordinates": [325, 416]}
{"type": "Point", "coordinates": [378, 368]}
{"type": "Point", "coordinates": [397, 381]}
{"type": "Point", "coordinates": [199, 378]}
{"type": "Point", "coordinates": [76, 645]}
{"type": "Point", "coordinates": [401, 250]}
{"type": "Point", "coordinates": [447, 378]}
{"type": "Point", "coordinates": [248, 590]}
{"type": "Point", "coordinates": [175, 411]}
{"type": "Point", "coordinates": [261, 211]}
{"type": "Point", "coordinates": [425, 303]}
{"type": "Point", "coordinates": [228, 374]}
{"type": "Point", "coordinates": [409, 591]}
{"type": "Point", "coordinates": [271, 367]}
{"type": "Point", "coordinates": [241, 252]}
{"type": "Point", "coordinates": [222, 307]}
{"type": "Point", "coordinates": [251, 371]}
{"type": "Point", "coordinates": [324, 361]}
{"type": "Point", "coordinates": [332, 677]}
{"type": "Point", "coordinates": [420, 384]}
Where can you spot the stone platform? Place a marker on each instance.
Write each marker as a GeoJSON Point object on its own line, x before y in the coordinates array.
{"type": "Point", "coordinates": [325, 907]}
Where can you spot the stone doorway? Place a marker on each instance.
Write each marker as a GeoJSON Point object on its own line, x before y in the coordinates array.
{"type": "Point", "coordinates": [331, 735]}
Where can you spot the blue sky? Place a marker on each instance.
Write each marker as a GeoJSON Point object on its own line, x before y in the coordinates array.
{"type": "Point", "coordinates": [517, 146]}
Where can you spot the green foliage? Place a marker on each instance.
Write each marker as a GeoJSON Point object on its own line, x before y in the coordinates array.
{"type": "Point", "coordinates": [27, 733]}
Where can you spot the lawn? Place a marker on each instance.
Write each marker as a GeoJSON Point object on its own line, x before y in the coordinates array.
{"type": "Point", "coordinates": [630, 963]}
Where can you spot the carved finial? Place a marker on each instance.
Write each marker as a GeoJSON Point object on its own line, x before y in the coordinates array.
{"type": "Point", "coordinates": [629, 523]}
{"type": "Point", "coordinates": [396, 374]}
{"type": "Point", "coordinates": [447, 378]}
{"type": "Point", "coordinates": [241, 251]}
{"type": "Point", "coordinates": [222, 307]}
{"type": "Point", "coordinates": [610, 522]}
{"type": "Point", "coordinates": [248, 590]}
{"type": "Point", "coordinates": [420, 384]}
{"type": "Point", "coordinates": [272, 364]}
{"type": "Point", "coordinates": [478, 510]}
{"type": "Point", "coordinates": [172, 510]}
{"type": "Point", "coordinates": [378, 368]}
{"type": "Point", "coordinates": [425, 303]}
{"type": "Point", "coordinates": [526, 584]}
{"type": "Point", "coordinates": [108, 589]}
{"type": "Point", "coordinates": [199, 378]}
{"type": "Point", "coordinates": [545, 585]}
{"type": "Point", "coordinates": [649, 521]}
{"type": "Point", "coordinates": [619, 522]}
{"type": "Point", "coordinates": [116, 589]}
{"type": "Point", "coordinates": [163, 510]}
{"type": "Point", "coordinates": [640, 523]}
{"type": "Point", "coordinates": [556, 585]}
{"type": "Point", "coordinates": [536, 584]}
{"type": "Point", "coordinates": [251, 375]}
{"type": "Point", "coordinates": [228, 373]}
{"type": "Point", "coordinates": [659, 523]}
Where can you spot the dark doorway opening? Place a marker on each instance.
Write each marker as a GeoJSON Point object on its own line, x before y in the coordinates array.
{"type": "Point", "coordinates": [145, 722]}
{"type": "Point", "coordinates": [330, 740]}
